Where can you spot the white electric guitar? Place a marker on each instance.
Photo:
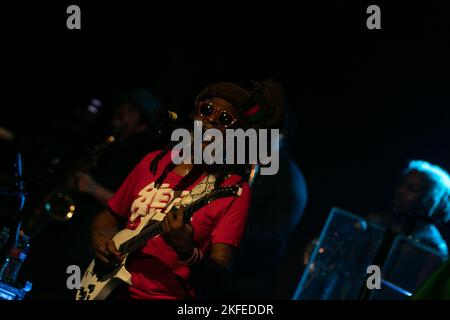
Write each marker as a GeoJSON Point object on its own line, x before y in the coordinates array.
{"type": "Point", "coordinates": [100, 279]}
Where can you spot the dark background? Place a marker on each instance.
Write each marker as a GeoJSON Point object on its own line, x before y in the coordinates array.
{"type": "Point", "coordinates": [367, 101]}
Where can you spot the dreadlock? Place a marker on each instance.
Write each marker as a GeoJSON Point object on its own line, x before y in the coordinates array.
{"type": "Point", "coordinates": [155, 162]}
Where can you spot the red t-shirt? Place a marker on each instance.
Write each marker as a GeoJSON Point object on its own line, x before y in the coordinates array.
{"type": "Point", "coordinates": [155, 270]}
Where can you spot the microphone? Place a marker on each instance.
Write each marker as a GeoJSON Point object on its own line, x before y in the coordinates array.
{"type": "Point", "coordinates": [168, 115]}
{"type": "Point", "coordinates": [169, 119]}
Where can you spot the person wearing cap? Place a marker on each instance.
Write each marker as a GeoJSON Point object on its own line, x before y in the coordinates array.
{"type": "Point", "coordinates": [133, 116]}
{"type": "Point", "coordinates": [188, 260]}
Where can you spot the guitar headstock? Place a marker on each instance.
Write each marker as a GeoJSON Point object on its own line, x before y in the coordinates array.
{"type": "Point", "coordinates": [227, 191]}
{"type": "Point", "coordinates": [222, 192]}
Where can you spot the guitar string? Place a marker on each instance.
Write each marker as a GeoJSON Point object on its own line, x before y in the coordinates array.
{"type": "Point", "coordinates": [140, 239]}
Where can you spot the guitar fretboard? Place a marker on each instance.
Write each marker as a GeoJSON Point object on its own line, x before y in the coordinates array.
{"type": "Point", "coordinates": [155, 229]}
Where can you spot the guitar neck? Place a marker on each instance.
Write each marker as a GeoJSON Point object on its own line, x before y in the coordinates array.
{"type": "Point", "coordinates": [155, 229]}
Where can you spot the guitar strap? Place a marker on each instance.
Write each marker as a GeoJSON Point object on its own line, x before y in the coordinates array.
{"type": "Point", "coordinates": [200, 190]}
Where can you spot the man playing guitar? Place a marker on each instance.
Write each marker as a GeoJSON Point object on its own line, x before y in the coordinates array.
{"type": "Point", "coordinates": [188, 258]}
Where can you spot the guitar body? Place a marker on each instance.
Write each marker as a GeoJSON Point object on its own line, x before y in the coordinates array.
{"type": "Point", "coordinates": [100, 280]}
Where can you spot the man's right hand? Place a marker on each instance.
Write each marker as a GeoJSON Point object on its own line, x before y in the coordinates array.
{"type": "Point", "coordinates": [105, 249]}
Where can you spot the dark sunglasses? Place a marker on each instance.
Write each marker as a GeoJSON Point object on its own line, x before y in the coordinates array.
{"type": "Point", "coordinates": [225, 118]}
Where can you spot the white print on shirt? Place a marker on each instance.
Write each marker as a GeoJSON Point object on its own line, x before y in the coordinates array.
{"type": "Point", "coordinates": [154, 201]}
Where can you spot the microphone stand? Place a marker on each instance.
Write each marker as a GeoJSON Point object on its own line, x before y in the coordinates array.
{"type": "Point", "coordinates": [18, 249]}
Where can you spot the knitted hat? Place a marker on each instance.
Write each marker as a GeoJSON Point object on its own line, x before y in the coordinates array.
{"type": "Point", "coordinates": [263, 106]}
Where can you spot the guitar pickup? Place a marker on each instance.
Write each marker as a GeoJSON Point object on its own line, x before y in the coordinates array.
{"type": "Point", "coordinates": [82, 292]}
